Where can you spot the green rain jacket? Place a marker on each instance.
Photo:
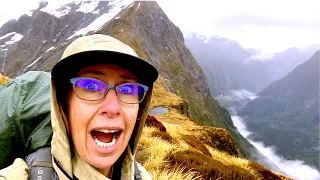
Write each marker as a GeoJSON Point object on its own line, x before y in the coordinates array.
{"type": "Point", "coordinates": [24, 116]}
{"type": "Point", "coordinates": [26, 125]}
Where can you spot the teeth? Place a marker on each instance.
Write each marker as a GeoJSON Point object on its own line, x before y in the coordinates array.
{"type": "Point", "coordinates": [104, 145]}
{"type": "Point", "coordinates": [107, 131]}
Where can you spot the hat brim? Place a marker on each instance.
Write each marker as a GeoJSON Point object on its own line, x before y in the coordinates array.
{"type": "Point", "coordinates": [68, 67]}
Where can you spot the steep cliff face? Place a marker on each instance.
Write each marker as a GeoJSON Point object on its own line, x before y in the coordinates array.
{"type": "Point", "coordinates": [146, 28]}
{"type": "Point", "coordinates": [40, 34]}
{"type": "Point", "coordinates": [143, 26]}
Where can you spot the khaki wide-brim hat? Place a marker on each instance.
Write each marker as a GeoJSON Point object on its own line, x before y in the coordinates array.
{"type": "Point", "coordinates": [101, 49]}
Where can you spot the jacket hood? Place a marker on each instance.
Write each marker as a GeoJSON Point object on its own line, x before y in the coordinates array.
{"type": "Point", "coordinates": [66, 161]}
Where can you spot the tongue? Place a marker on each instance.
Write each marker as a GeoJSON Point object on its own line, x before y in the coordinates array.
{"type": "Point", "coordinates": [103, 137]}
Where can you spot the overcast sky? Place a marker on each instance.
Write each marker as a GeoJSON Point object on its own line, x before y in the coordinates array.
{"type": "Point", "coordinates": [269, 25]}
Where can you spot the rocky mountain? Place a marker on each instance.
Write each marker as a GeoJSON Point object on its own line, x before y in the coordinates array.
{"type": "Point", "coordinates": [227, 65]}
{"type": "Point", "coordinates": [36, 43]}
{"type": "Point", "coordinates": [31, 39]}
{"type": "Point", "coordinates": [284, 62]}
{"type": "Point", "coordinates": [286, 113]}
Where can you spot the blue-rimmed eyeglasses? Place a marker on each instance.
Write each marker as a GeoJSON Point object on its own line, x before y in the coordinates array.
{"type": "Point", "coordinates": [91, 89]}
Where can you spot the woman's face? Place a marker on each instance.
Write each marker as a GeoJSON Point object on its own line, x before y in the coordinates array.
{"type": "Point", "coordinates": [100, 130]}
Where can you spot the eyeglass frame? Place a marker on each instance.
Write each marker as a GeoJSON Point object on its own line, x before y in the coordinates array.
{"type": "Point", "coordinates": [74, 80]}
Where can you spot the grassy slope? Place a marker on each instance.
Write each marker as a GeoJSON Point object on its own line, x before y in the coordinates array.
{"type": "Point", "coordinates": [188, 150]}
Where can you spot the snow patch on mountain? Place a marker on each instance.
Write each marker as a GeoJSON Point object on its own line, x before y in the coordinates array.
{"type": "Point", "coordinates": [117, 6]}
{"type": "Point", "coordinates": [57, 8]}
{"type": "Point", "coordinates": [51, 48]}
{"type": "Point", "coordinates": [60, 8]}
{"type": "Point", "coordinates": [215, 40]}
{"type": "Point", "coordinates": [34, 62]}
{"type": "Point", "coordinates": [15, 37]}
{"type": "Point", "coordinates": [7, 35]}
{"type": "Point", "coordinates": [138, 6]}
{"type": "Point", "coordinates": [88, 6]}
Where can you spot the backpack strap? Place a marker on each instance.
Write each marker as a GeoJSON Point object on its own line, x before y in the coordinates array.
{"type": "Point", "coordinates": [41, 167]}
{"type": "Point", "coordinates": [137, 174]}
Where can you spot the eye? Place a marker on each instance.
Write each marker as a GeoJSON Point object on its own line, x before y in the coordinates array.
{"type": "Point", "coordinates": [127, 89]}
{"type": "Point", "coordinates": [90, 85]}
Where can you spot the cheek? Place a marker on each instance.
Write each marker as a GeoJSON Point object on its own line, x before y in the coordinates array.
{"type": "Point", "coordinates": [131, 113]}
{"type": "Point", "coordinates": [78, 116]}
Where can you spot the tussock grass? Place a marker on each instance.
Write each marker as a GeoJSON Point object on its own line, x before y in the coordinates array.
{"type": "Point", "coordinates": [163, 135]}
{"type": "Point", "coordinates": [206, 166]}
{"type": "Point", "coordinates": [266, 174]}
{"type": "Point", "coordinates": [229, 160]}
{"type": "Point", "coordinates": [174, 174]}
{"type": "Point", "coordinates": [153, 148]}
{"type": "Point", "coordinates": [220, 139]}
{"type": "Point", "coordinates": [196, 144]}
{"type": "Point", "coordinates": [189, 150]}
{"type": "Point", "coordinates": [188, 154]}
{"type": "Point", "coordinates": [162, 97]}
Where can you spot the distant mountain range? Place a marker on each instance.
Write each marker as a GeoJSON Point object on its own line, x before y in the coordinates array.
{"type": "Point", "coordinates": [228, 66]}
{"type": "Point", "coordinates": [37, 41]}
{"type": "Point", "coordinates": [286, 113]}
{"type": "Point", "coordinates": [284, 62]}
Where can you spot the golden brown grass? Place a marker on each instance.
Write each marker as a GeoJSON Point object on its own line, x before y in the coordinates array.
{"type": "Point", "coordinates": [188, 150]}
{"type": "Point", "coordinates": [219, 139]}
{"type": "Point", "coordinates": [3, 78]}
{"type": "Point", "coordinates": [163, 135]}
{"type": "Point", "coordinates": [161, 97]}
{"type": "Point", "coordinates": [174, 174]}
{"type": "Point", "coordinates": [196, 144]}
{"type": "Point", "coordinates": [207, 167]}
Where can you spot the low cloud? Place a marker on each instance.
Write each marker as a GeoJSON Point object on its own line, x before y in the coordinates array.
{"type": "Point", "coordinates": [293, 168]}
{"type": "Point", "coordinates": [236, 95]}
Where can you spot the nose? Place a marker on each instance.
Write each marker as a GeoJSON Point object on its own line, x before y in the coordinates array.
{"type": "Point", "coordinates": [110, 104]}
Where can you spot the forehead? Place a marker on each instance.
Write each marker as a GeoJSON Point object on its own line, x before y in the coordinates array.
{"type": "Point", "coordinates": [107, 70]}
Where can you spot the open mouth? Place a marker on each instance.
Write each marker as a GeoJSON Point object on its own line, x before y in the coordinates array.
{"type": "Point", "coordinates": [105, 138]}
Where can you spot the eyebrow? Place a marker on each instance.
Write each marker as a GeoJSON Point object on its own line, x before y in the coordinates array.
{"type": "Point", "coordinates": [97, 72]}
{"type": "Point", "coordinates": [128, 78]}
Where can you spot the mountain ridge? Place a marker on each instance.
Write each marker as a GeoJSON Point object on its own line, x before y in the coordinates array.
{"type": "Point", "coordinates": [144, 27]}
{"type": "Point", "coordinates": [289, 109]}
{"type": "Point", "coordinates": [227, 67]}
